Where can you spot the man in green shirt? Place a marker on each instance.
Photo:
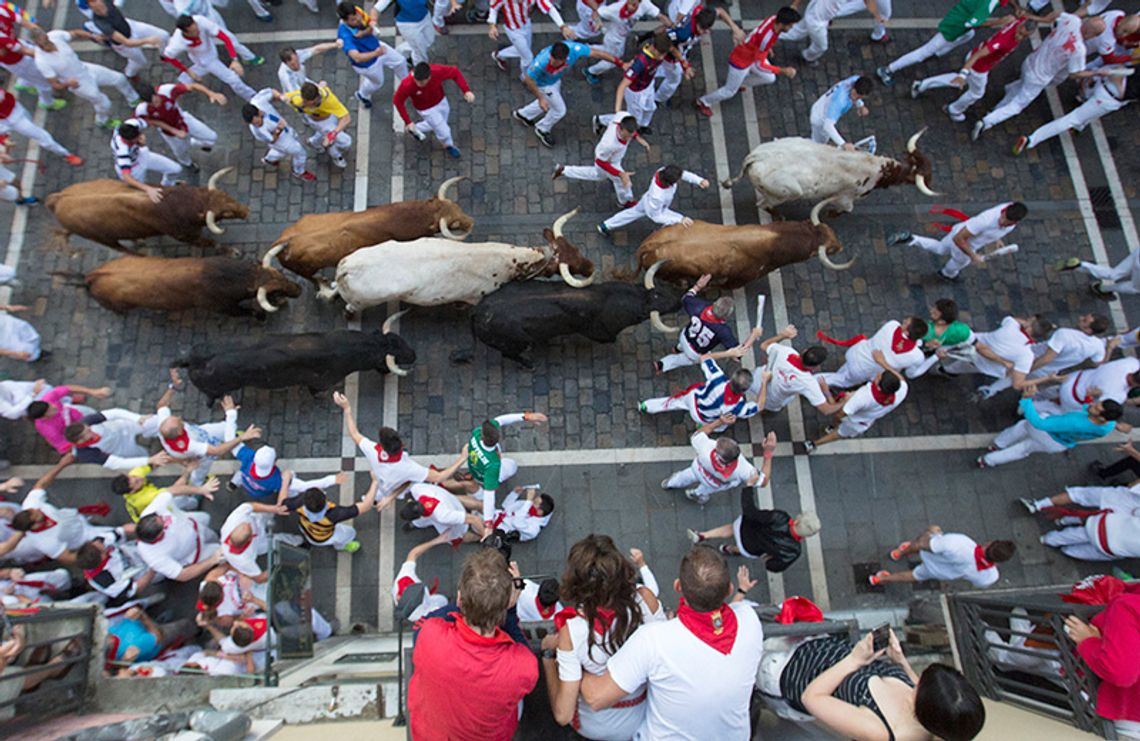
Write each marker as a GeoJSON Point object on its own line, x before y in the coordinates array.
{"type": "Point", "coordinates": [955, 28]}
{"type": "Point", "coordinates": [485, 461]}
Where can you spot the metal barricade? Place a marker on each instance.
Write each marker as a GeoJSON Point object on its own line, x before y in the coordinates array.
{"type": "Point", "coordinates": [1012, 646]}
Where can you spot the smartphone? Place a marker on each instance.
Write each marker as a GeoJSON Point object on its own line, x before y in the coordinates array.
{"type": "Point", "coordinates": [881, 636]}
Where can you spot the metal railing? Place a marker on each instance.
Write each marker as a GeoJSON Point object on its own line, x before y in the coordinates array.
{"type": "Point", "coordinates": [59, 640]}
{"type": "Point", "coordinates": [1012, 646]}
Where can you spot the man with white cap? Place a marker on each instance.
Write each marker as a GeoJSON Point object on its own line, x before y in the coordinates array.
{"type": "Point", "coordinates": [718, 465]}
{"type": "Point", "coordinates": [260, 476]}
{"type": "Point", "coordinates": [408, 583]}
{"type": "Point", "coordinates": [184, 441]}
{"type": "Point", "coordinates": [178, 545]}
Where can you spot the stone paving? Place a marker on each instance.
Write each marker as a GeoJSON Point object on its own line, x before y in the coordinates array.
{"type": "Point", "coordinates": [868, 502]}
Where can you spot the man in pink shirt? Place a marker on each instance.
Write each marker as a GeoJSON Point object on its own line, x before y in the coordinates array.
{"type": "Point", "coordinates": [52, 414]}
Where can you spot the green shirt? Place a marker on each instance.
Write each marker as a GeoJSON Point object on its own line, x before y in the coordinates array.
{"type": "Point", "coordinates": [965, 15]}
{"type": "Point", "coordinates": [482, 462]}
{"type": "Point", "coordinates": [955, 334]}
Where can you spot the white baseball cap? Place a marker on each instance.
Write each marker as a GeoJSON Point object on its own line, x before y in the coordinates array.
{"type": "Point", "coordinates": [263, 461]}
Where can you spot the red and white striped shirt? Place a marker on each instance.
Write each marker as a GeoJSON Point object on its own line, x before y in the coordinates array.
{"type": "Point", "coordinates": [756, 46]}
{"type": "Point", "coordinates": [516, 13]}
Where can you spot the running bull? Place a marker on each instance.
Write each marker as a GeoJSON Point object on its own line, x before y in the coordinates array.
{"type": "Point", "coordinates": [433, 272]}
{"type": "Point", "coordinates": [519, 316]}
{"type": "Point", "coordinates": [227, 285]}
{"type": "Point", "coordinates": [319, 241]}
{"type": "Point", "coordinates": [109, 211]}
{"type": "Point", "coordinates": [794, 168]}
{"type": "Point", "coordinates": [316, 360]}
{"type": "Point", "coordinates": [737, 255]}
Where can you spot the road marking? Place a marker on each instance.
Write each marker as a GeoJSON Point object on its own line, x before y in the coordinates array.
{"type": "Point", "coordinates": [1119, 198]}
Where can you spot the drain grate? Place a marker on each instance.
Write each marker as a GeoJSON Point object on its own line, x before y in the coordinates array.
{"type": "Point", "coordinates": [1103, 207]}
{"type": "Point", "coordinates": [372, 658]}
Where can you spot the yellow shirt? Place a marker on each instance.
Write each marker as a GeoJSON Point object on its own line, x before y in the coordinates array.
{"type": "Point", "coordinates": [329, 105]}
{"type": "Point", "coordinates": [137, 501]}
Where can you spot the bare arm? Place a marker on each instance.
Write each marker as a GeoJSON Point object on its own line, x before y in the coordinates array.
{"type": "Point", "coordinates": [217, 451]}
{"type": "Point", "coordinates": [435, 477]}
{"type": "Point", "coordinates": [369, 497]}
{"type": "Point", "coordinates": [563, 694]}
{"type": "Point", "coordinates": [349, 421]}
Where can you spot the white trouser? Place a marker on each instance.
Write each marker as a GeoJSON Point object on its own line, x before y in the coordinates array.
{"type": "Point", "coordinates": [811, 27]}
{"type": "Point", "coordinates": [1074, 542]}
{"type": "Point", "coordinates": [17, 335]}
{"type": "Point", "coordinates": [936, 47]}
{"type": "Point", "coordinates": [690, 478]}
{"type": "Point", "coordinates": [585, 28]}
{"type": "Point", "coordinates": [99, 77]}
{"type": "Point", "coordinates": [922, 368]}
{"type": "Point", "coordinates": [343, 534]}
{"type": "Point", "coordinates": [640, 104]}
{"type": "Point", "coordinates": [222, 72]}
{"type": "Point", "coordinates": [148, 161]}
{"type": "Point", "coordinates": [20, 122]}
{"type": "Point", "coordinates": [1018, 95]}
{"type": "Point", "coordinates": [321, 129]}
{"type": "Point", "coordinates": [434, 119]}
{"type": "Point", "coordinates": [626, 216]}
{"type": "Point", "coordinates": [1020, 441]}
{"type": "Point", "coordinates": [1127, 729]}
{"type": "Point", "coordinates": [737, 78]}
{"type": "Point", "coordinates": [593, 172]}
{"type": "Point", "coordinates": [28, 73]}
{"type": "Point", "coordinates": [851, 7]}
{"type": "Point", "coordinates": [849, 376]}
{"type": "Point", "coordinates": [1100, 103]}
{"type": "Point", "coordinates": [821, 125]}
{"type": "Point", "coordinates": [557, 110]}
{"type": "Point", "coordinates": [1123, 277]}
{"type": "Point", "coordinates": [956, 259]}
{"type": "Point", "coordinates": [418, 37]}
{"type": "Point", "coordinates": [244, 53]}
{"type": "Point", "coordinates": [439, 12]}
{"type": "Point", "coordinates": [372, 76]}
{"type": "Point", "coordinates": [682, 403]}
{"type": "Point", "coordinates": [259, 10]}
{"type": "Point", "coordinates": [88, 90]}
{"type": "Point", "coordinates": [614, 43]}
{"type": "Point", "coordinates": [8, 192]}
{"type": "Point", "coordinates": [198, 135]}
{"type": "Point", "coordinates": [521, 41]}
{"type": "Point", "coordinates": [975, 89]}
{"type": "Point", "coordinates": [685, 355]}
{"type": "Point", "coordinates": [136, 60]}
{"type": "Point", "coordinates": [670, 74]}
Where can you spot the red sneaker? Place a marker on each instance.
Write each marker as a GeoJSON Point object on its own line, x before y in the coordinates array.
{"type": "Point", "coordinates": [704, 109]}
{"type": "Point", "coordinates": [897, 553]}
{"type": "Point", "coordinates": [73, 160]}
{"type": "Point", "coordinates": [876, 578]}
{"type": "Point", "coordinates": [306, 177]}
{"type": "Point", "coordinates": [629, 204]}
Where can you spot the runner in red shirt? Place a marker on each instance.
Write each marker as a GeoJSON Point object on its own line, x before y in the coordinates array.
{"type": "Point", "coordinates": [179, 128]}
{"type": "Point", "coordinates": [748, 65]}
{"type": "Point", "coordinates": [425, 87]}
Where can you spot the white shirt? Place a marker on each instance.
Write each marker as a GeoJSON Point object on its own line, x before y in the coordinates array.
{"type": "Point", "coordinates": [62, 64]}
{"type": "Point", "coordinates": [1105, 43]}
{"type": "Point", "coordinates": [15, 396]}
{"type": "Point", "coordinates": [201, 50]}
{"type": "Point", "coordinates": [1061, 54]}
{"type": "Point", "coordinates": [951, 556]}
{"type": "Point", "coordinates": [861, 354]}
{"type": "Point", "coordinates": [292, 79]}
{"type": "Point", "coordinates": [392, 473]}
{"type": "Point", "coordinates": [610, 148]}
{"type": "Point", "coordinates": [705, 445]}
{"type": "Point", "coordinates": [618, 27]}
{"type": "Point", "coordinates": [199, 440]}
{"type": "Point", "coordinates": [24, 552]}
{"type": "Point", "coordinates": [1072, 346]}
{"type": "Point", "coordinates": [822, 11]}
{"type": "Point", "coordinates": [245, 559]}
{"type": "Point", "coordinates": [863, 409]}
{"type": "Point", "coordinates": [269, 120]}
{"type": "Point", "coordinates": [695, 692]}
{"type": "Point", "coordinates": [787, 381]}
{"type": "Point", "coordinates": [984, 227]}
{"type": "Point", "coordinates": [658, 198]}
{"type": "Point", "coordinates": [182, 539]}
{"type": "Point", "coordinates": [233, 603]}
{"type": "Point", "coordinates": [1121, 531]}
{"type": "Point", "coordinates": [69, 532]}
{"type": "Point", "coordinates": [518, 519]}
{"type": "Point", "coordinates": [529, 608]}
{"type": "Point", "coordinates": [1111, 378]}
{"type": "Point", "coordinates": [405, 578]}
{"type": "Point", "coordinates": [1008, 342]}
{"type": "Point", "coordinates": [448, 516]}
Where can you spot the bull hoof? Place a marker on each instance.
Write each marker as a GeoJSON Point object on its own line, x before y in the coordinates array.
{"type": "Point", "coordinates": [462, 356]}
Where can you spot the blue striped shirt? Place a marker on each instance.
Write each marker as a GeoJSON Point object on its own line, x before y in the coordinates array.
{"type": "Point", "coordinates": [710, 400]}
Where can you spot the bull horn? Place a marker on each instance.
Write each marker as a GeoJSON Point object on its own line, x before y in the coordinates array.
{"type": "Point", "coordinates": [212, 183]}
{"type": "Point", "coordinates": [912, 143]}
{"type": "Point", "coordinates": [660, 326]}
{"type": "Point", "coordinates": [212, 225]}
{"type": "Point", "coordinates": [267, 261]}
{"type": "Point", "coordinates": [387, 328]}
{"type": "Point", "coordinates": [263, 301]}
{"type": "Point", "coordinates": [445, 231]}
{"type": "Point", "coordinates": [649, 274]}
{"type": "Point", "coordinates": [571, 280]}
{"type": "Point", "coordinates": [923, 188]}
{"type": "Point", "coordinates": [818, 209]}
{"type": "Point", "coordinates": [833, 265]}
{"type": "Point", "coordinates": [390, 360]}
{"type": "Point", "coordinates": [561, 222]}
{"type": "Point", "coordinates": [442, 194]}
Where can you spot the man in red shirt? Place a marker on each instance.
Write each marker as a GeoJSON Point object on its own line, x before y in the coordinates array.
{"type": "Point", "coordinates": [976, 71]}
{"type": "Point", "coordinates": [1109, 647]}
{"type": "Point", "coordinates": [425, 87]}
{"type": "Point", "coordinates": [465, 647]}
{"type": "Point", "coordinates": [748, 65]}
{"type": "Point", "coordinates": [179, 128]}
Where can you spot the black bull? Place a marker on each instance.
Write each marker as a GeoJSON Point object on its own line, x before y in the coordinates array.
{"type": "Point", "coordinates": [520, 316]}
{"type": "Point", "coordinates": [316, 360]}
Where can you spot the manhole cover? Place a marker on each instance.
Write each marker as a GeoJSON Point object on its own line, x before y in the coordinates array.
{"type": "Point", "coordinates": [1103, 207]}
{"type": "Point", "coordinates": [377, 658]}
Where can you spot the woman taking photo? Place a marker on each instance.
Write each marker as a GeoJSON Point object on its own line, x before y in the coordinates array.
{"type": "Point", "coordinates": [608, 606]}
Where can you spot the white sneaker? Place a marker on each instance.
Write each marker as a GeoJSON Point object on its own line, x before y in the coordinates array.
{"type": "Point", "coordinates": [698, 498]}
{"type": "Point", "coordinates": [694, 537]}
{"type": "Point", "coordinates": [340, 162]}
{"type": "Point", "coordinates": [1029, 504]}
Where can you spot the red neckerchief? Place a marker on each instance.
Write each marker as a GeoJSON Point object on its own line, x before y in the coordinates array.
{"type": "Point", "coordinates": [544, 611]}
{"type": "Point", "coordinates": [900, 343]}
{"type": "Point", "coordinates": [625, 7]}
{"type": "Point", "coordinates": [724, 469]}
{"type": "Point", "coordinates": [90, 573]}
{"type": "Point", "coordinates": [730, 396]}
{"type": "Point", "coordinates": [980, 559]}
{"type": "Point", "coordinates": [88, 443]}
{"type": "Point", "coordinates": [253, 472]}
{"type": "Point", "coordinates": [237, 548]}
{"type": "Point", "coordinates": [796, 362]}
{"type": "Point", "coordinates": [193, 40]}
{"type": "Point", "coordinates": [166, 520]}
{"type": "Point", "coordinates": [47, 524]}
{"type": "Point", "coordinates": [383, 457]}
{"type": "Point", "coordinates": [402, 584]}
{"type": "Point", "coordinates": [533, 512]}
{"type": "Point", "coordinates": [717, 629]}
{"type": "Point", "coordinates": [602, 621]}
{"type": "Point", "coordinates": [429, 503]}
{"type": "Point", "coordinates": [792, 529]}
{"type": "Point", "coordinates": [552, 69]}
{"type": "Point", "coordinates": [260, 626]}
{"type": "Point", "coordinates": [466, 633]}
{"type": "Point", "coordinates": [1028, 339]}
{"type": "Point", "coordinates": [708, 317]}
{"type": "Point", "coordinates": [179, 444]}
{"type": "Point", "coordinates": [883, 399]}
{"type": "Point", "coordinates": [657, 180]}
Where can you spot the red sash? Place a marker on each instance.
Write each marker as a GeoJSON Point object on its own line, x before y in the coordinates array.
{"type": "Point", "coordinates": [1102, 534]}
{"type": "Point", "coordinates": [716, 628]}
{"type": "Point", "coordinates": [796, 362]}
{"type": "Point", "coordinates": [900, 343]}
{"type": "Point", "coordinates": [99, 509]}
{"type": "Point", "coordinates": [842, 343]}
{"type": "Point", "coordinates": [883, 399]}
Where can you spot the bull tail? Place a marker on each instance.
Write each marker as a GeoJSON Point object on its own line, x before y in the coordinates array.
{"type": "Point", "coordinates": [71, 278]}
{"type": "Point", "coordinates": [743, 169]}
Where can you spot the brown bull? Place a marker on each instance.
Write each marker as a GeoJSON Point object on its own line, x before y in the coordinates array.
{"type": "Point", "coordinates": [320, 241]}
{"type": "Point", "coordinates": [737, 255]}
{"type": "Point", "coordinates": [108, 211]}
{"type": "Point", "coordinates": [226, 285]}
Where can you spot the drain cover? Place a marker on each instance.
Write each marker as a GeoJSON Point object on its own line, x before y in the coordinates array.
{"type": "Point", "coordinates": [376, 658]}
{"type": "Point", "coordinates": [1103, 207]}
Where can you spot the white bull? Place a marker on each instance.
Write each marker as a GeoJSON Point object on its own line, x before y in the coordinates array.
{"type": "Point", "coordinates": [433, 271]}
{"type": "Point", "coordinates": [793, 169]}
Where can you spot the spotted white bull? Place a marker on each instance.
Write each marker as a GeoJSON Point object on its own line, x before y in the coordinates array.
{"type": "Point", "coordinates": [793, 169]}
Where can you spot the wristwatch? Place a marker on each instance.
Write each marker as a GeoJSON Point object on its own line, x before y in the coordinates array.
{"type": "Point", "coordinates": [549, 653]}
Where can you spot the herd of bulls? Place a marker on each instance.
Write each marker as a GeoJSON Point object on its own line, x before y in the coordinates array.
{"type": "Point", "coordinates": [392, 253]}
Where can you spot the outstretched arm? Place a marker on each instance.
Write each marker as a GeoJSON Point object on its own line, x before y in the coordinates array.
{"type": "Point", "coordinates": [349, 421]}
